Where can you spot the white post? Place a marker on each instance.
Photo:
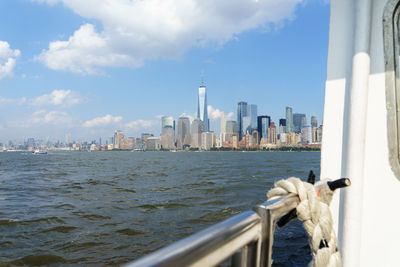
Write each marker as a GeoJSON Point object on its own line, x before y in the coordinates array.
{"type": "Point", "coordinates": [350, 225]}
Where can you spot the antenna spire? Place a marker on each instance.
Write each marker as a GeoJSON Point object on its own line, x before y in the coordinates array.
{"type": "Point", "coordinates": [202, 77]}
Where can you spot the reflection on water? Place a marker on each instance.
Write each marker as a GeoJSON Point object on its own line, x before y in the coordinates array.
{"type": "Point", "coordinates": [109, 208]}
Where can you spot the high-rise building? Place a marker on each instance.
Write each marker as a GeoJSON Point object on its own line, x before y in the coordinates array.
{"type": "Point", "coordinates": [168, 138]}
{"type": "Point", "coordinates": [252, 113]}
{"type": "Point", "coordinates": [317, 134]}
{"type": "Point", "coordinates": [272, 134]}
{"type": "Point", "coordinates": [167, 121]}
{"type": "Point", "coordinates": [314, 121]}
{"type": "Point", "coordinates": [289, 120]}
{"type": "Point", "coordinates": [223, 128]}
{"type": "Point", "coordinates": [202, 112]}
{"type": "Point", "coordinates": [248, 119]}
{"type": "Point", "coordinates": [299, 120]}
{"type": "Point", "coordinates": [282, 126]}
{"type": "Point", "coordinates": [127, 143]}
{"type": "Point", "coordinates": [195, 133]}
{"type": "Point", "coordinates": [153, 143]}
{"type": "Point", "coordinates": [241, 112]}
{"type": "Point", "coordinates": [208, 140]}
{"type": "Point", "coordinates": [231, 127]}
{"type": "Point", "coordinates": [263, 123]}
{"type": "Point", "coordinates": [306, 135]}
{"type": "Point", "coordinates": [118, 136]}
{"type": "Point", "coordinates": [183, 136]}
{"type": "Point", "coordinates": [246, 125]}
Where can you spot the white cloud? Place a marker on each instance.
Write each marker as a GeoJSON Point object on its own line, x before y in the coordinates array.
{"type": "Point", "coordinates": [64, 98]}
{"type": "Point", "coordinates": [215, 114]}
{"type": "Point", "coordinates": [8, 59]}
{"type": "Point", "coordinates": [229, 116]}
{"type": "Point", "coordinates": [191, 117]}
{"type": "Point", "coordinates": [102, 121]}
{"type": "Point", "coordinates": [52, 117]}
{"type": "Point", "coordinates": [12, 101]}
{"type": "Point", "coordinates": [140, 125]}
{"type": "Point", "coordinates": [134, 31]}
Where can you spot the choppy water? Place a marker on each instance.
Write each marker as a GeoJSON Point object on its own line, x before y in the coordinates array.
{"type": "Point", "coordinates": [109, 208]}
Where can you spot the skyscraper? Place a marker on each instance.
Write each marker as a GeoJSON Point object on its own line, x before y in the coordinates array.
{"type": "Point", "coordinates": [223, 128]}
{"type": "Point", "coordinates": [202, 112]}
{"type": "Point", "coordinates": [289, 119]}
{"type": "Point", "coordinates": [167, 132]}
{"type": "Point", "coordinates": [195, 133]}
{"type": "Point", "coordinates": [241, 112]}
{"type": "Point", "coordinates": [314, 121]}
{"type": "Point", "coordinates": [231, 127]}
{"type": "Point", "coordinates": [247, 118]}
{"type": "Point", "coordinates": [183, 136]}
{"type": "Point", "coordinates": [168, 138]}
{"type": "Point", "coordinates": [272, 134]}
{"type": "Point", "coordinates": [306, 135]}
{"type": "Point", "coordinates": [252, 113]}
{"type": "Point", "coordinates": [118, 135]}
{"type": "Point", "coordinates": [299, 120]}
{"type": "Point", "coordinates": [282, 126]}
{"type": "Point", "coordinates": [263, 123]}
{"type": "Point", "coordinates": [167, 121]}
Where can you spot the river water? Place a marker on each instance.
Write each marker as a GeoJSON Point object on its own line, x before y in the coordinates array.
{"type": "Point", "coordinates": [109, 208]}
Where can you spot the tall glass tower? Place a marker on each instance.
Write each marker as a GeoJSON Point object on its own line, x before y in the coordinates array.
{"type": "Point", "coordinates": [202, 112]}
{"type": "Point", "coordinates": [289, 119]}
{"type": "Point", "coordinates": [241, 112]}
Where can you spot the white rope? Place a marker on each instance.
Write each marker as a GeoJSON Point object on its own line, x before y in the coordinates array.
{"type": "Point", "coordinates": [313, 211]}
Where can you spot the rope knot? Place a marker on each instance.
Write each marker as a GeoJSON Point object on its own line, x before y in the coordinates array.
{"type": "Point", "coordinates": [311, 205]}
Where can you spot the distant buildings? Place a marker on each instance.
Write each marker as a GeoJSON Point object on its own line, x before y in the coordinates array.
{"type": "Point", "coordinates": [208, 140]}
{"type": "Point", "coordinates": [249, 131]}
{"type": "Point", "coordinates": [118, 135]}
{"type": "Point", "coordinates": [153, 143]}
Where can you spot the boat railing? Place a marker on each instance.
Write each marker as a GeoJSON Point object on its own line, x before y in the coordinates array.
{"type": "Point", "coordinates": [243, 240]}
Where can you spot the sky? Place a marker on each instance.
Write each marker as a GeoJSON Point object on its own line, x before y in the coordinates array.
{"type": "Point", "coordinates": [90, 67]}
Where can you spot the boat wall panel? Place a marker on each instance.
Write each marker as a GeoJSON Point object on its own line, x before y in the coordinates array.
{"type": "Point", "coordinates": [381, 192]}
{"type": "Point", "coordinates": [340, 53]}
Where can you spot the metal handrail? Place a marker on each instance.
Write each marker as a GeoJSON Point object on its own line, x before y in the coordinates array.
{"type": "Point", "coordinates": [245, 238]}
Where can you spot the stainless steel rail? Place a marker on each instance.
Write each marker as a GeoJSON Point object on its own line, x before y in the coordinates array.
{"type": "Point", "coordinates": [245, 238]}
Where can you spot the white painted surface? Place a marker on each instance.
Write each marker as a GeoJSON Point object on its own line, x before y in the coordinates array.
{"type": "Point", "coordinates": [375, 187]}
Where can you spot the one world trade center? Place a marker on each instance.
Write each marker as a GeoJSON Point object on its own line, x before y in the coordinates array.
{"type": "Point", "coordinates": [202, 112]}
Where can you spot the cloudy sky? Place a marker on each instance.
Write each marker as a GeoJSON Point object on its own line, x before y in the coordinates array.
{"type": "Point", "coordinates": [90, 67]}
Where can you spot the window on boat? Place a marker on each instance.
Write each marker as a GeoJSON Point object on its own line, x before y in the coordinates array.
{"type": "Point", "coordinates": [391, 28]}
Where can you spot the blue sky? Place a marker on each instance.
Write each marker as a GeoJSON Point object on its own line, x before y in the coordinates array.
{"type": "Point", "coordinates": [88, 68]}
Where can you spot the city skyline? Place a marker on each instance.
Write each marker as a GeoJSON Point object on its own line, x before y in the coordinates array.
{"type": "Point", "coordinates": [274, 62]}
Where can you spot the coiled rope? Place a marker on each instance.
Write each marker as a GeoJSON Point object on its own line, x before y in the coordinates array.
{"type": "Point", "coordinates": [311, 204]}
